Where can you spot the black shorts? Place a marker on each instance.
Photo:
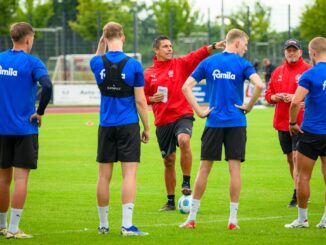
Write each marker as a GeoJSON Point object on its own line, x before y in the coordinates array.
{"type": "Point", "coordinates": [20, 151]}
{"type": "Point", "coordinates": [119, 143]}
{"type": "Point", "coordinates": [234, 140]}
{"type": "Point", "coordinates": [167, 135]}
{"type": "Point", "coordinates": [312, 145]}
{"type": "Point", "coordinates": [288, 143]}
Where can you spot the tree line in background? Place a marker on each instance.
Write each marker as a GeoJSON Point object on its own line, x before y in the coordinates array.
{"type": "Point", "coordinates": [174, 18]}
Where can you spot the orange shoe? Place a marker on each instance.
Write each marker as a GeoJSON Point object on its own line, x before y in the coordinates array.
{"type": "Point", "coordinates": [188, 224]}
{"type": "Point", "coordinates": [233, 226]}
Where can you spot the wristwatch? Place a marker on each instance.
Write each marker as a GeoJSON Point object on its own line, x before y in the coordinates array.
{"type": "Point", "coordinates": [213, 45]}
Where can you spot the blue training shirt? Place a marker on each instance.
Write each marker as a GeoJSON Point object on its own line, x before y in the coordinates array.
{"type": "Point", "coordinates": [19, 73]}
{"type": "Point", "coordinates": [225, 74]}
{"type": "Point", "coordinates": [314, 80]}
{"type": "Point", "coordinates": [118, 111]}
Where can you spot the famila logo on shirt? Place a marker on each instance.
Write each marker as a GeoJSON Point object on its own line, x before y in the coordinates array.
{"type": "Point", "coordinates": [10, 72]}
{"type": "Point", "coordinates": [218, 75]}
{"type": "Point", "coordinates": [324, 85]}
{"type": "Point", "coordinates": [102, 74]}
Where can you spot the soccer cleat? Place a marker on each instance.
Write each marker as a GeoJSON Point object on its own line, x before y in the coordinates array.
{"type": "Point", "coordinates": [185, 189]}
{"type": "Point", "coordinates": [233, 226]}
{"type": "Point", "coordinates": [132, 231]}
{"type": "Point", "coordinates": [103, 230]}
{"type": "Point", "coordinates": [293, 203]}
{"type": "Point", "coordinates": [3, 231]}
{"type": "Point", "coordinates": [18, 235]}
{"type": "Point", "coordinates": [167, 207]}
{"type": "Point", "coordinates": [297, 224]}
{"type": "Point", "coordinates": [321, 225]}
{"type": "Point", "coordinates": [191, 224]}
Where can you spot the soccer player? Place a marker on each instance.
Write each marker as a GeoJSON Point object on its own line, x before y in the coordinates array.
{"type": "Point", "coordinates": [120, 80]}
{"type": "Point", "coordinates": [312, 133]}
{"type": "Point", "coordinates": [19, 122]}
{"type": "Point", "coordinates": [225, 74]}
{"type": "Point", "coordinates": [280, 90]}
{"type": "Point", "coordinates": [173, 114]}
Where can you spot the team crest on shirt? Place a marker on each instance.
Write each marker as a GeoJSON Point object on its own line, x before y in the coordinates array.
{"type": "Point", "coordinates": [10, 72]}
{"type": "Point", "coordinates": [297, 77]}
{"type": "Point", "coordinates": [170, 73]}
{"type": "Point", "coordinates": [279, 79]}
{"type": "Point", "coordinates": [153, 78]}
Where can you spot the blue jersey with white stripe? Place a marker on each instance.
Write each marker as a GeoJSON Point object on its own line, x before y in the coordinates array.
{"type": "Point", "coordinates": [19, 73]}
{"type": "Point", "coordinates": [314, 118]}
{"type": "Point", "coordinates": [225, 74]}
{"type": "Point", "coordinates": [118, 111]}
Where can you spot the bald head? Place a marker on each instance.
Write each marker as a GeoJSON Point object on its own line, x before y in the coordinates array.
{"type": "Point", "coordinates": [317, 49]}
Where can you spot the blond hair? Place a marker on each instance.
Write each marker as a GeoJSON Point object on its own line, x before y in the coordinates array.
{"type": "Point", "coordinates": [19, 30]}
{"type": "Point", "coordinates": [318, 44]}
{"type": "Point", "coordinates": [234, 34]}
{"type": "Point", "coordinates": [113, 30]}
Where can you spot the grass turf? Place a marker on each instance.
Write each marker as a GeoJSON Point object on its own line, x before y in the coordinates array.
{"type": "Point", "coordinates": [61, 204]}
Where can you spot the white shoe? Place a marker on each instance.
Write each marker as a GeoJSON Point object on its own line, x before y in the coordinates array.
{"type": "Point", "coordinates": [3, 231]}
{"type": "Point", "coordinates": [297, 224]}
{"type": "Point", "coordinates": [18, 235]}
{"type": "Point", "coordinates": [321, 225]}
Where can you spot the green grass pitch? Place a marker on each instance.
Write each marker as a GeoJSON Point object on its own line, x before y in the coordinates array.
{"type": "Point", "coordinates": [61, 203]}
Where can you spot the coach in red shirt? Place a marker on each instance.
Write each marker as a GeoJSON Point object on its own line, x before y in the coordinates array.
{"type": "Point", "coordinates": [173, 114]}
{"type": "Point", "coordinates": [281, 87]}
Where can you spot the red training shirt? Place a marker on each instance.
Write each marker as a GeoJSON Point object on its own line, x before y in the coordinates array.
{"type": "Point", "coordinates": [172, 74]}
{"type": "Point", "coordinates": [285, 79]}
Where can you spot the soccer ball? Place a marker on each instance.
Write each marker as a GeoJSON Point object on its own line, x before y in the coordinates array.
{"type": "Point", "coordinates": [184, 204]}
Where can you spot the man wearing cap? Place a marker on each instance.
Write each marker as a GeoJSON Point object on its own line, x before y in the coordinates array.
{"type": "Point", "coordinates": [280, 90]}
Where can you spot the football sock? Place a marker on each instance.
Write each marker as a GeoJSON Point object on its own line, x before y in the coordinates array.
{"type": "Point", "coordinates": [14, 219]}
{"type": "Point", "coordinates": [294, 197]}
{"type": "Point", "coordinates": [195, 204]}
{"type": "Point", "coordinates": [103, 216]}
{"type": "Point", "coordinates": [3, 220]}
{"type": "Point", "coordinates": [323, 219]}
{"type": "Point", "coordinates": [186, 180]}
{"type": "Point", "coordinates": [127, 210]}
{"type": "Point", "coordinates": [233, 212]}
{"type": "Point", "coordinates": [302, 214]}
{"type": "Point", "coordinates": [171, 200]}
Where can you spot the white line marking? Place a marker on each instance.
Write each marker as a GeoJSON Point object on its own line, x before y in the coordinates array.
{"type": "Point", "coordinates": [174, 224]}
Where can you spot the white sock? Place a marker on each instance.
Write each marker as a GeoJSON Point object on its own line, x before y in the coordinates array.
{"type": "Point", "coordinates": [233, 212]}
{"type": "Point", "coordinates": [195, 204]}
{"type": "Point", "coordinates": [323, 219]}
{"type": "Point", "coordinates": [127, 210]}
{"type": "Point", "coordinates": [3, 220]}
{"type": "Point", "coordinates": [103, 216]}
{"type": "Point", "coordinates": [14, 220]}
{"type": "Point", "coordinates": [302, 214]}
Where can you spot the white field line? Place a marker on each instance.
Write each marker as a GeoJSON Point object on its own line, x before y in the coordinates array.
{"type": "Point", "coordinates": [175, 224]}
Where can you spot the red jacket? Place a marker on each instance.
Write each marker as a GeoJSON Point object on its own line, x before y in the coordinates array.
{"type": "Point", "coordinates": [285, 79]}
{"type": "Point", "coordinates": [172, 74]}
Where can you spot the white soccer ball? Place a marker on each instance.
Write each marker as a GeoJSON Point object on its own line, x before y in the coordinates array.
{"type": "Point", "coordinates": [184, 204]}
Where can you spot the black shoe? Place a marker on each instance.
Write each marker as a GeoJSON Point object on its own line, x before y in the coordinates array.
{"type": "Point", "coordinates": [293, 203]}
{"type": "Point", "coordinates": [185, 190]}
{"type": "Point", "coordinates": [168, 207]}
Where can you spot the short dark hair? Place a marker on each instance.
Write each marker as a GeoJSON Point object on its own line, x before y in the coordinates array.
{"type": "Point", "coordinates": [19, 30]}
{"type": "Point", "coordinates": [157, 41]}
